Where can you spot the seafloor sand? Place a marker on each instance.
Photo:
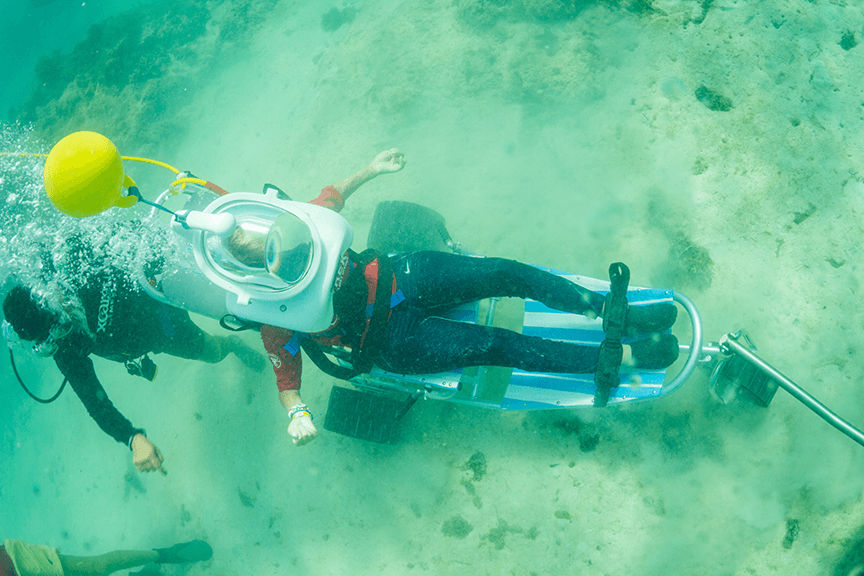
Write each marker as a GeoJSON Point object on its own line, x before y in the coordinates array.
{"type": "Point", "coordinates": [566, 143]}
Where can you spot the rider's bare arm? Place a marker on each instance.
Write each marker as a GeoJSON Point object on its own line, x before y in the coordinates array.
{"type": "Point", "coordinates": [385, 162]}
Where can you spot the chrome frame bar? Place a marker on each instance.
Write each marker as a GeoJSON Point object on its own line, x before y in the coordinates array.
{"type": "Point", "coordinates": [695, 344]}
{"type": "Point", "coordinates": [729, 345]}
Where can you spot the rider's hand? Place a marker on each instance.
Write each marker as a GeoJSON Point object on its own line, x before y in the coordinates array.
{"type": "Point", "coordinates": [145, 455]}
{"type": "Point", "coordinates": [302, 430]}
{"type": "Point", "coordinates": [391, 160]}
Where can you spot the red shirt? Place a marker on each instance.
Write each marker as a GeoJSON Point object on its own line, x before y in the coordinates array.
{"type": "Point", "coordinates": [283, 345]}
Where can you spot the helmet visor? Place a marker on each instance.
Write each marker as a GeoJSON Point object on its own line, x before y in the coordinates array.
{"type": "Point", "coordinates": [288, 251]}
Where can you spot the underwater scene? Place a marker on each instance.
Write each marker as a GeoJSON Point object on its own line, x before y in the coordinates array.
{"type": "Point", "coordinates": [716, 147]}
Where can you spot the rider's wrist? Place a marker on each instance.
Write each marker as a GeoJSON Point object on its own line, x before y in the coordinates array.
{"type": "Point", "coordinates": [136, 432]}
{"type": "Point", "coordinates": [299, 410]}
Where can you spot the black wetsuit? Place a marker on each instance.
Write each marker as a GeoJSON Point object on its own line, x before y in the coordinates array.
{"type": "Point", "coordinates": [125, 324]}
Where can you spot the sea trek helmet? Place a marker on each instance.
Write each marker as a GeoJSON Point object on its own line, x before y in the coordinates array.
{"type": "Point", "coordinates": [293, 285]}
{"type": "Point", "coordinates": [289, 248]}
{"type": "Point", "coordinates": [84, 175]}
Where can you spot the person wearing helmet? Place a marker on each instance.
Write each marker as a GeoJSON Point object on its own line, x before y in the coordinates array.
{"type": "Point", "coordinates": [385, 309]}
{"type": "Point", "coordinates": [112, 317]}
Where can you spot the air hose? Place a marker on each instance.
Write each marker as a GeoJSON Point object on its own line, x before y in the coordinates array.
{"type": "Point", "coordinates": [33, 396]}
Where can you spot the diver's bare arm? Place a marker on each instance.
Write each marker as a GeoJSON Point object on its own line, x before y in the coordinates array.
{"type": "Point", "coordinates": [385, 162]}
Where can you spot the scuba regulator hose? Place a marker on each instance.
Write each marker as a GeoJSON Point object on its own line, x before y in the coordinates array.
{"type": "Point", "coordinates": [24, 386]}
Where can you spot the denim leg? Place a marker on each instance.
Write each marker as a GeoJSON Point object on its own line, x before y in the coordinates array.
{"type": "Point", "coordinates": [420, 344]}
{"type": "Point", "coordinates": [440, 280]}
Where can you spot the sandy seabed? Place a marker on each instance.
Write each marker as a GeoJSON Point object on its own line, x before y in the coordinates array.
{"type": "Point", "coordinates": [570, 144]}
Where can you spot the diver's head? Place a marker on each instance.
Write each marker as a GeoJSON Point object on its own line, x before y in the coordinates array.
{"type": "Point", "coordinates": [33, 322]}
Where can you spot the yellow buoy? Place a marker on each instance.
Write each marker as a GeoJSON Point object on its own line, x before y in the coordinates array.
{"type": "Point", "coordinates": [84, 175]}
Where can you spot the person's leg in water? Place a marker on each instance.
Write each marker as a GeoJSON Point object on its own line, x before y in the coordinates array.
{"type": "Point", "coordinates": [187, 340]}
{"type": "Point", "coordinates": [439, 280]}
{"type": "Point", "coordinates": [419, 342]}
{"type": "Point", "coordinates": [194, 551]}
{"type": "Point", "coordinates": [216, 348]}
{"type": "Point", "coordinates": [106, 563]}
{"type": "Point", "coordinates": [422, 344]}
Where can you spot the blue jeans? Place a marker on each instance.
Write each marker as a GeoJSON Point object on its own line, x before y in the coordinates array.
{"type": "Point", "coordinates": [419, 341]}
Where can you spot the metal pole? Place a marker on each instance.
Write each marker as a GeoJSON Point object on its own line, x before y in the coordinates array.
{"type": "Point", "coordinates": [729, 344]}
{"type": "Point", "coordinates": [695, 348]}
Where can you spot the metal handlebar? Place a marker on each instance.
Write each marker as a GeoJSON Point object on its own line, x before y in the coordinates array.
{"type": "Point", "coordinates": [695, 348]}
{"type": "Point", "coordinates": [729, 345]}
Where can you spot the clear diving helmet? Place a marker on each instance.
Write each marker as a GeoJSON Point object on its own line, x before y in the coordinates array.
{"type": "Point", "coordinates": [276, 259]}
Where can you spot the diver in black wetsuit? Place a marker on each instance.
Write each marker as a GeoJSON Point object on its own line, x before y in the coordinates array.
{"type": "Point", "coordinates": [116, 320]}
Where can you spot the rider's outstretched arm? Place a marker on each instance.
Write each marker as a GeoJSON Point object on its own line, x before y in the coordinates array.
{"type": "Point", "coordinates": [385, 162]}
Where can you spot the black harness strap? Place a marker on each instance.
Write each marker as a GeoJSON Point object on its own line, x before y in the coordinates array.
{"type": "Point", "coordinates": [315, 352]}
{"type": "Point", "coordinates": [373, 344]}
{"type": "Point", "coordinates": [362, 353]}
{"type": "Point", "coordinates": [614, 321]}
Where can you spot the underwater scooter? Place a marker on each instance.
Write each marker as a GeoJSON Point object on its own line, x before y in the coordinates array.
{"type": "Point", "coordinates": [373, 411]}
{"type": "Point", "coordinates": [735, 369]}
{"type": "Point", "coordinates": [241, 295]}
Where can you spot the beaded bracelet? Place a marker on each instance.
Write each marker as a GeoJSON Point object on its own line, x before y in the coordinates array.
{"type": "Point", "coordinates": [299, 410]}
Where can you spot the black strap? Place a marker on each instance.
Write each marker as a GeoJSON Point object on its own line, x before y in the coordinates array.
{"type": "Point", "coordinates": [235, 324]}
{"type": "Point", "coordinates": [614, 322]}
{"type": "Point", "coordinates": [362, 356]}
{"type": "Point", "coordinates": [34, 397]}
{"type": "Point", "coordinates": [315, 352]}
{"type": "Point", "coordinates": [377, 331]}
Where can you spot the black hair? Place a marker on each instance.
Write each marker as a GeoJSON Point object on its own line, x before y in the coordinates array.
{"type": "Point", "coordinates": [30, 321]}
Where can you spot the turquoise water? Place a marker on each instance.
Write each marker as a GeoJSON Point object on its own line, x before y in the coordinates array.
{"type": "Point", "coordinates": [715, 147]}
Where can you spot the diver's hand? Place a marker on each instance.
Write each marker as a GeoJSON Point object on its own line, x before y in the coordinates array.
{"type": "Point", "coordinates": [302, 430]}
{"type": "Point", "coordinates": [387, 161]}
{"type": "Point", "coordinates": [145, 455]}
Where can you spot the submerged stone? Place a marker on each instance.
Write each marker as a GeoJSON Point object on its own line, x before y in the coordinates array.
{"type": "Point", "coordinates": [334, 18]}
{"type": "Point", "coordinates": [713, 100]}
{"type": "Point", "coordinates": [791, 533]}
{"type": "Point", "coordinates": [456, 527]}
{"type": "Point", "coordinates": [847, 41]}
{"type": "Point", "coordinates": [477, 464]}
